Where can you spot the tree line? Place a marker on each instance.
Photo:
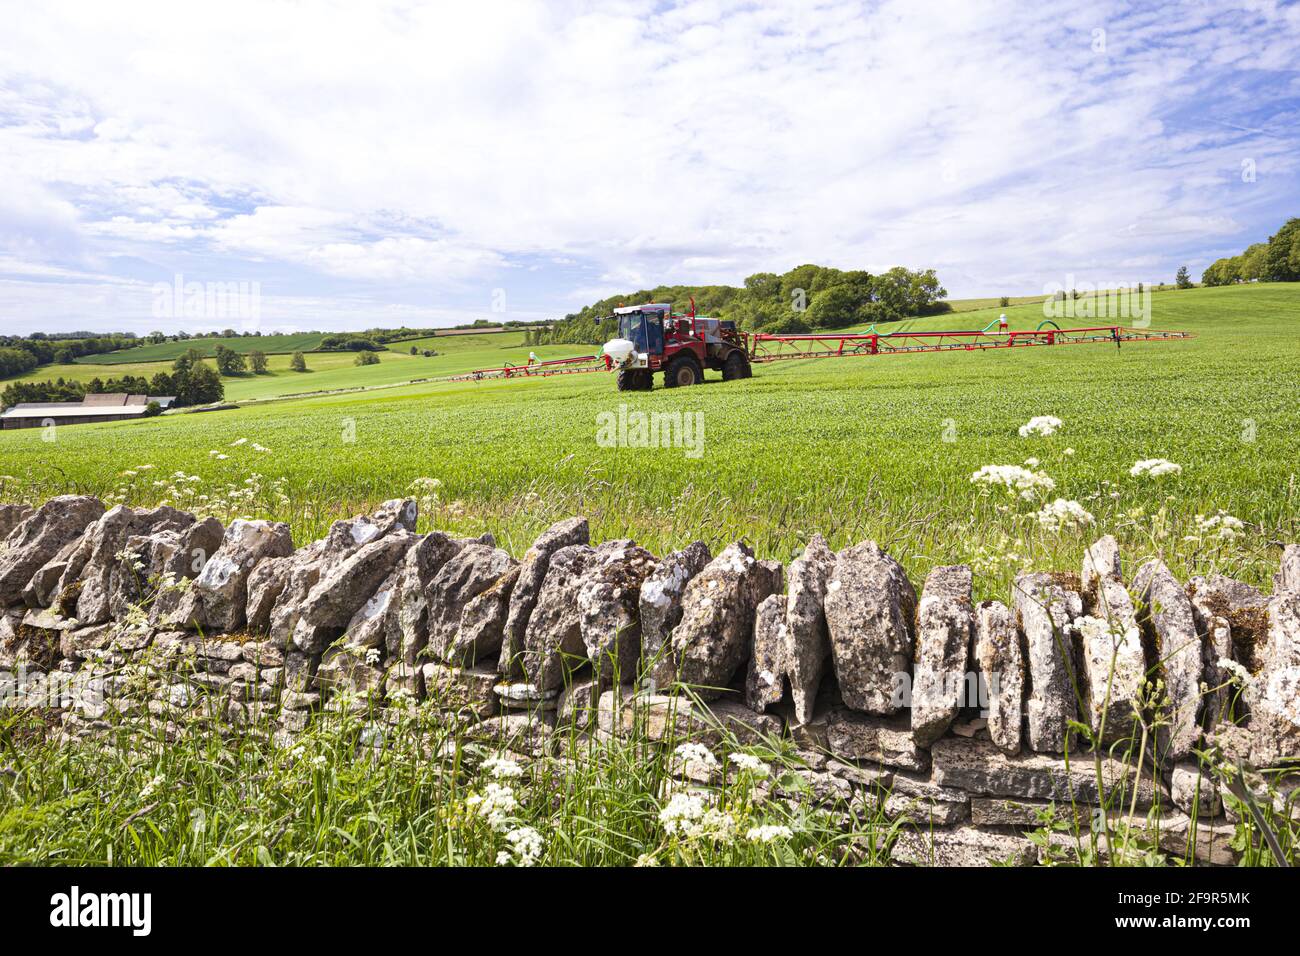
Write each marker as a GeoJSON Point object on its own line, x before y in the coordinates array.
{"type": "Point", "coordinates": [1277, 260]}
{"type": "Point", "coordinates": [804, 299]}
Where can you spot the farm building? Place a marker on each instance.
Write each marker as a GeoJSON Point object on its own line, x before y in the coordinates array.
{"type": "Point", "coordinates": [106, 407]}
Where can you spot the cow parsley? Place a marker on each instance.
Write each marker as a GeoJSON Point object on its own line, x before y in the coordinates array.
{"type": "Point", "coordinates": [1040, 425]}
{"type": "Point", "coordinates": [502, 768]}
{"type": "Point", "coordinates": [768, 833]}
{"type": "Point", "coordinates": [494, 804]}
{"type": "Point", "coordinates": [1062, 515]}
{"type": "Point", "coordinates": [750, 764]}
{"type": "Point", "coordinates": [1221, 525]}
{"type": "Point", "coordinates": [1154, 468]}
{"type": "Point", "coordinates": [696, 758]}
{"type": "Point", "coordinates": [1014, 478]}
{"type": "Point", "coordinates": [526, 847]}
{"type": "Point", "coordinates": [1236, 673]}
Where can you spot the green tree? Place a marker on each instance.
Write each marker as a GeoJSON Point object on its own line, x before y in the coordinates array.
{"type": "Point", "coordinates": [257, 361]}
{"type": "Point", "coordinates": [834, 308]}
{"type": "Point", "coordinates": [298, 363]}
{"type": "Point", "coordinates": [1183, 280]}
{"type": "Point", "coordinates": [230, 362]}
{"type": "Point", "coordinates": [200, 384]}
{"type": "Point", "coordinates": [366, 358]}
{"type": "Point", "coordinates": [187, 360]}
{"type": "Point", "coordinates": [1282, 258]}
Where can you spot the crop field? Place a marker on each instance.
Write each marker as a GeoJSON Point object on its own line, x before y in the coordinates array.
{"type": "Point", "coordinates": [855, 448]}
{"type": "Point", "coordinates": [331, 370]}
{"type": "Point", "coordinates": [169, 351]}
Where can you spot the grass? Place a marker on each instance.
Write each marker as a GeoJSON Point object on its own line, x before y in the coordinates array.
{"type": "Point", "coordinates": [355, 791]}
{"type": "Point", "coordinates": [854, 448]}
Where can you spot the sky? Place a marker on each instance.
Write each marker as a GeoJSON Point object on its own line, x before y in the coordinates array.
{"type": "Point", "coordinates": [384, 164]}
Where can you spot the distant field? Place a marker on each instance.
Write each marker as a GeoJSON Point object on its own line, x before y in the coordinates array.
{"type": "Point", "coordinates": [853, 447]}
{"type": "Point", "coordinates": [169, 351]}
{"type": "Point", "coordinates": [338, 370]}
{"type": "Point", "coordinates": [974, 305]}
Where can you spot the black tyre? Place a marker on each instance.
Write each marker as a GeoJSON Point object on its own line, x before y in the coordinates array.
{"type": "Point", "coordinates": [735, 367]}
{"type": "Point", "coordinates": [683, 371]}
{"type": "Point", "coordinates": [627, 379]}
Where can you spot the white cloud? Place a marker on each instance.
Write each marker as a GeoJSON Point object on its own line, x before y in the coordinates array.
{"type": "Point", "coordinates": [443, 145]}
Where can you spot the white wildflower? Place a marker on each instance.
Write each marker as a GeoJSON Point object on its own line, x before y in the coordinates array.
{"type": "Point", "coordinates": [768, 833]}
{"type": "Point", "coordinates": [526, 847]}
{"type": "Point", "coordinates": [750, 764]}
{"type": "Point", "coordinates": [495, 804]}
{"type": "Point", "coordinates": [1221, 525]}
{"type": "Point", "coordinates": [646, 859]}
{"type": "Point", "coordinates": [1014, 478]}
{"type": "Point", "coordinates": [372, 656]}
{"type": "Point", "coordinates": [1062, 515]}
{"type": "Point", "coordinates": [1068, 452]}
{"type": "Point", "coordinates": [687, 815]}
{"type": "Point", "coordinates": [502, 768]}
{"type": "Point", "coordinates": [1154, 468]}
{"type": "Point", "coordinates": [695, 760]}
{"type": "Point", "coordinates": [150, 788]}
{"type": "Point", "coordinates": [681, 812]}
{"type": "Point", "coordinates": [1098, 629]}
{"type": "Point", "coordinates": [1237, 674]}
{"type": "Point", "coordinates": [1040, 425]}
{"type": "Point", "coordinates": [237, 442]}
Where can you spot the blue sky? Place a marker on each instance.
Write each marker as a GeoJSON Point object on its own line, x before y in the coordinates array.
{"type": "Point", "coordinates": [378, 165]}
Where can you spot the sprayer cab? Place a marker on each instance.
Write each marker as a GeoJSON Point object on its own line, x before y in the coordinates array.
{"type": "Point", "coordinates": [653, 338]}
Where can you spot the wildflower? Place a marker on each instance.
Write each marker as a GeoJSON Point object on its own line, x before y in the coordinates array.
{"type": "Point", "coordinates": [502, 768]}
{"type": "Point", "coordinates": [1031, 462]}
{"type": "Point", "coordinates": [526, 846]}
{"type": "Point", "coordinates": [495, 804]}
{"type": "Point", "coordinates": [1154, 468]}
{"type": "Point", "coordinates": [751, 764]}
{"type": "Point", "coordinates": [1040, 425]}
{"type": "Point", "coordinates": [150, 788]}
{"type": "Point", "coordinates": [319, 761]}
{"type": "Point", "coordinates": [1221, 525]}
{"type": "Point", "coordinates": [237, 442]}
{"type": "Point", "coordinates": [646, 859]}
{"type": "Point", "coordinates": [696, 758]}
{"type": "Point", "coordinates": [681, 812]}
{"type": "Point", "coordinates": [768, 833]}
{"type": "Point", "coordinates": [1068, 452]}
{"type": "Point", "coordinates": [1097, 629]}
{"type": "Point", "coordinates": [1014, 479]}
{"type": "Point", "coordinates": [687, 816]}
{"type": "Point", "coordinates": [1236, 673]}
{"type": "Point", "coordinates": [1062, 515]}
{"type": "Point", "coordinates": [261, 448]}
{"type": "Point", "coordinates": [372, 656]}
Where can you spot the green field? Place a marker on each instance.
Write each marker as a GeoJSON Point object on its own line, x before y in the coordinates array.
{"type": "Point", "coordinates": [170, 351]}
{"type": "Point", "coordinates": [335, 370]}
{"type": "Point", "coordinates": [855, 448]}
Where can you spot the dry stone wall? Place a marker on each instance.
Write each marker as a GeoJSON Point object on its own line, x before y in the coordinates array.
{"type": "Point", "coordinates": [954, 715]}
